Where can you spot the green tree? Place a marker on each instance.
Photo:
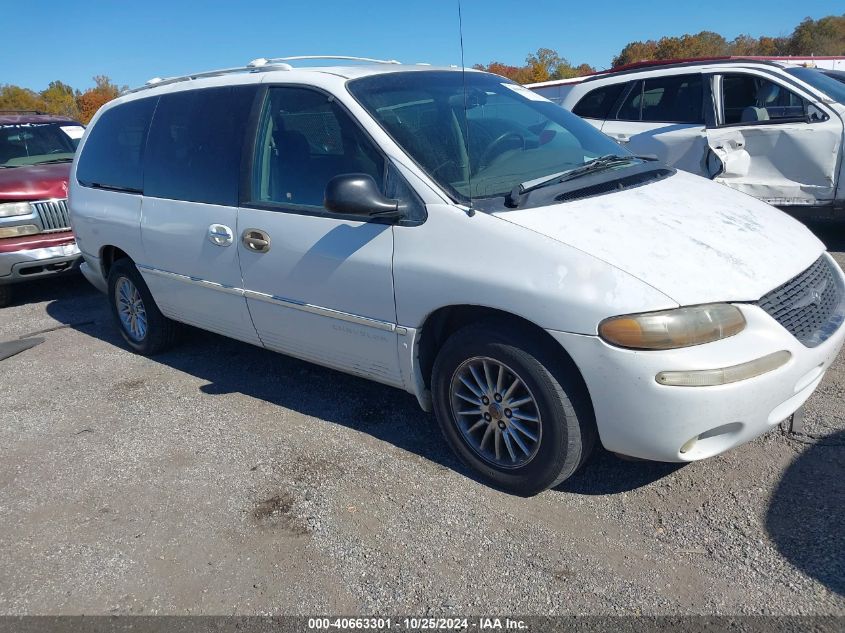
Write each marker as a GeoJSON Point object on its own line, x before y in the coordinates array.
{"type": "Point", "coordinates": [59, 98]}
{"type": "Point", "coordinates": [17, 98]}
{"type": "Point", "coordinates": [825, 36]}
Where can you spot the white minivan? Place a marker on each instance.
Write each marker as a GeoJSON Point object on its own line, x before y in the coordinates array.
{"type": "Point", "coordinates": [460, 237]}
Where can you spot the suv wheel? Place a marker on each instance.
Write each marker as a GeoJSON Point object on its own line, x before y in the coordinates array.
{"type": "Point", "coordinates": [5, 295]}
{"type": "Point", "coordinates": [142, 325]}
{"type": "Point", "coordinates": [510, 410]}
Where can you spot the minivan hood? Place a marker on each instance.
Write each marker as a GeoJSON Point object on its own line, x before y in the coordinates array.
{"type": "Point", "coordinates": [693, 240]}
{"type": "Point", "coordinates": [34, 182]}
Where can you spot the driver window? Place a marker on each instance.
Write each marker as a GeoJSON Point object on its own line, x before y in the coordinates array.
{"type": "Point", "coordinates": [753, 99]}
{"type": "Point", "coordinates": [304, 140]}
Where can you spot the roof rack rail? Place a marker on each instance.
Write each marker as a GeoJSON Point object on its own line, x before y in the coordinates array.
{"type": "Point", "coordinates": [261, 61]}
{"type": "Point", "coordinates": [22, 112]}
{"type": "Point", "coordinates": [256, 65]}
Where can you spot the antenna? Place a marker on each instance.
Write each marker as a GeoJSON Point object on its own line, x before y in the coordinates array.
{"type": "Point", "coordinates": [470, 210]}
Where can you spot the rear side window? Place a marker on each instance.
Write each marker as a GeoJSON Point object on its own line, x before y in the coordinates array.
{"type": "Point", "coordinates": [194, 146]}
{"type": "Point", "coordinates": [113, 153]}
{"type": "Point", "coordinates": [597, 103]}
{"type": "Point", "coordinates": [676, 99]}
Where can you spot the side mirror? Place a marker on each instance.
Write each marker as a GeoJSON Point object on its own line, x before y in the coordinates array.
{"type": "Point", "coordinates": [358, 194]}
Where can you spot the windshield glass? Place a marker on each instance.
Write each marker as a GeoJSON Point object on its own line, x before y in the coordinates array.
{"type": "Point", "coordinates": [33, 143]}
{"type": "Point", "coordinates": [818, 80]}
{"type": "Point", "coordinates": [509, 135]}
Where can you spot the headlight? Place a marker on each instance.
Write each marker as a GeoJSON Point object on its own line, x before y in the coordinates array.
{"type": "Point", "coordinates": [671, 329]}
{"type": "Point", "coordinates": [11, 209]}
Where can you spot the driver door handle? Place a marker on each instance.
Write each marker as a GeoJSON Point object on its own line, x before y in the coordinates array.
{"type": "Point", "coordinates": [256, 240]}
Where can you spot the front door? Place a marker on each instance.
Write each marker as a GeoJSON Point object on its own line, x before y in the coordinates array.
{"type": "Point", "coordinates": [774, 143]}
{"type": "Point", "coordinates": [318, 286]}
{"type": "Point", "coordinates": [664, 117]}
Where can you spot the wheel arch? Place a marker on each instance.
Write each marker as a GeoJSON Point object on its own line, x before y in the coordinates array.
{"type": "Point", "coordinates": [108, 256]}
{"type": "Point", "coordinates": [440, 324]}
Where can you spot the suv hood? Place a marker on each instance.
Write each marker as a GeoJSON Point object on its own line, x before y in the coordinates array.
{"type": "Point", "coordinates": [693, 240]}
{"type": "Point", "coordinates": [34, 182]}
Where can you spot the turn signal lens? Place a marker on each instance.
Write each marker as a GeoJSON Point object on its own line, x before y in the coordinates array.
{"type": "Point", "coordinates": [11, 209]}
{"type": "Point", "coordinates": [671, 329]}
{"type": "Point", "coordinates": [725, 375]}
{"type": "Point", "coordinates": [18, 231]}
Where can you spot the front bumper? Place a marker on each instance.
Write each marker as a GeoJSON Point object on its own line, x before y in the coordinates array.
{"type": "Point", "coordinates": [30, 259]}
{"type": "Point", "coordinates": [636, 416]}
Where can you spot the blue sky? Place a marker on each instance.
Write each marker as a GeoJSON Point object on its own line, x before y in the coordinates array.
{"type": "Point", "coordinates": [134, 41]}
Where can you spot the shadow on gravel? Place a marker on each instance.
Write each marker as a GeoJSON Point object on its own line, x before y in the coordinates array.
{"type": "Point", "coordinates": [806, 514]}
{"type": "Point", "coordinates": [229, 366]}
{"type": "Point", "coordinates": [61, 288]}
{"type": "Point", "coordinates": [388, 414]}
{"type": "Point", "coordinates": [606, 474]}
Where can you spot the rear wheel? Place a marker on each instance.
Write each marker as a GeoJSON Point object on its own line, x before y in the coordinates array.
{"type": "Point", "coordinates": [5, 295]}
{"type": "Point", "coordinates": [510, 409]}
{"type": "Point", "coordinates": [144, 328]}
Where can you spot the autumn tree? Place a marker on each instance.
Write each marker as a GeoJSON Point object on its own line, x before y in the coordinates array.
{"type": "Point", "coordinates": [825, 36]}
{"type": "Point", "coordinates": [544, 65]}
{"type": "Point", "coordinates": [92, 99]}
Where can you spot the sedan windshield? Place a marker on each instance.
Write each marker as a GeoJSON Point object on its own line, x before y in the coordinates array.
{"type": "Point", "coordinates": [479, 135]}
{"type": "Point", "coordinates": [35, 143]}
{"type": "Point", "coordinates": [818, 80]}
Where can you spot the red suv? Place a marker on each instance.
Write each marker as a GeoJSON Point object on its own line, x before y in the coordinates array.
{"type": "Point", "coordinates": [36, 151]}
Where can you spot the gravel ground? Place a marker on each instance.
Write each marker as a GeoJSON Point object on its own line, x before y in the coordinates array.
{"type": "Point", "coordinates": [221, 479]}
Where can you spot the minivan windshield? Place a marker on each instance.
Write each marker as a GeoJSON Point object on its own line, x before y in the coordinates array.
{"type": "Point", "coordinates": [818, 80]}
{"type": "Point", "coordinates": [508, 135]}
{"type": "Point", "coordinates": [37, 143]}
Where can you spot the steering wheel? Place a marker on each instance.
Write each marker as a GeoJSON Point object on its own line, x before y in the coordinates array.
{"type": "Point", "coordinates": [499, 145]}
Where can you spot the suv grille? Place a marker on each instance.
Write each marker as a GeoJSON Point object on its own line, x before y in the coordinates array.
{"type": "Point", "coordinates": [53, 215]}
{"type": "Point", "coordinates": [809, 305]}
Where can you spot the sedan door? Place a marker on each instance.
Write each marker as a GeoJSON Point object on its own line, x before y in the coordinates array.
{"type": "Point", "coordinates": [664, 117]}
{"type": "Point", "coordinates": [774, 143]}
{"type": "Point", "coordinates": [319, 286]}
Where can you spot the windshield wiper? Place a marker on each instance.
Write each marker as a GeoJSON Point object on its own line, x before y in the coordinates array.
{"type": "Point", "coordinates": [596, 164]}
{"type": "Point", "coordinates": [53, 160]}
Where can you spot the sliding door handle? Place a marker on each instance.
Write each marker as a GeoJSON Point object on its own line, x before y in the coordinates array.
{"type": "Point", "coordinates": [256, 240]}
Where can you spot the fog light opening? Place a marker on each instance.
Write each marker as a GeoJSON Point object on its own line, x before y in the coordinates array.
{"type": "Point", "coordinates": [689, 445]}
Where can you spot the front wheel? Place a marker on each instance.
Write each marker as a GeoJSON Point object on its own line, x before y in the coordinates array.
{"type": "Point", "coordinates": [5, 295]}
{"type": "Point", "coordinates": [144, 328]}
{"type": "Point", "coordinates": [510, 409]}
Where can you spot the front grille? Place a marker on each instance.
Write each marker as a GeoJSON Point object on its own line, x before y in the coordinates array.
{"type": "Point", "coordinates": [809, 305]}
{"type": "Point", "coordinates": [53, 215]}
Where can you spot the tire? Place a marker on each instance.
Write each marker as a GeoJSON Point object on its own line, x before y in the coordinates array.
{"type": "Point", "coordinates": [151, 332]}
{"type": "Point", "coordinates": [564, 429]}
{"type": "Point", "coordinates": [5, 295]}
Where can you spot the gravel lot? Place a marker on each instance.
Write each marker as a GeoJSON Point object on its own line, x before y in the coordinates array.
{"type": "Point", "coordinates": [221, 478]}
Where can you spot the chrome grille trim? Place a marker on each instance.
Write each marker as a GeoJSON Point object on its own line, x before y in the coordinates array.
{"type": "Point", "coordinates": [811, 305]}
{"type": "Point", "coordinates": [53, 214]}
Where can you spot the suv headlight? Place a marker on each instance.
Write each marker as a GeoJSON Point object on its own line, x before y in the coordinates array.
{"type": "Point", "coordinates": [11, 209]}
{"type": "Point", "coordinates": [671, 329]}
